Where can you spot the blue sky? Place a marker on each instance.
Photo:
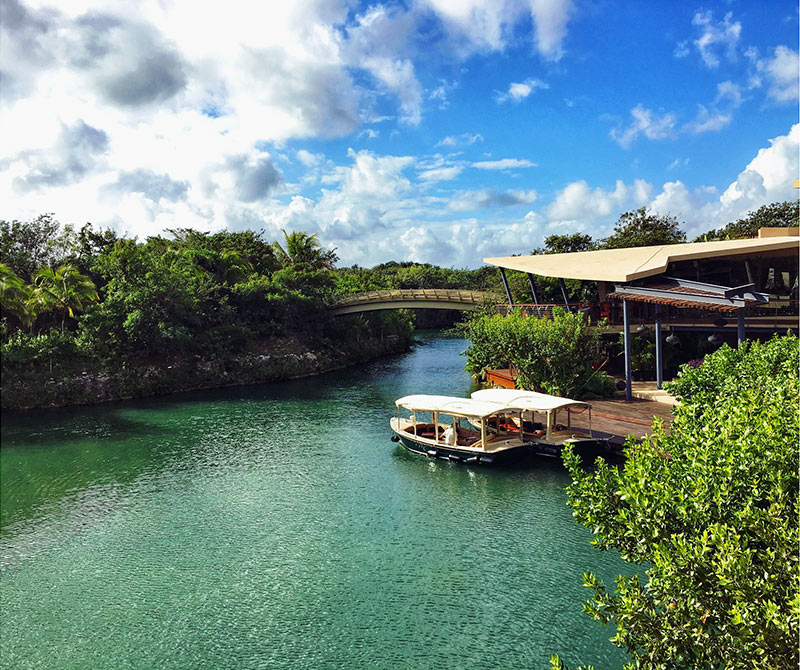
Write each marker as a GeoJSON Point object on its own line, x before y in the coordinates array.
{"type": "Point", "coordinates": [440, 131]}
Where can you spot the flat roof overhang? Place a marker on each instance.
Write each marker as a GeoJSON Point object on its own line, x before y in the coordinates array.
{"type": "Point", "coordinates": [625, 265]}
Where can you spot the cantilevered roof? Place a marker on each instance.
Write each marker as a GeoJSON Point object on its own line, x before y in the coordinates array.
{"type": "Point", "coordinates": [624, 265]}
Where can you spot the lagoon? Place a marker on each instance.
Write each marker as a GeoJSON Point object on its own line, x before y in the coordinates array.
{"type": "Point", "coordinates": [277, 526]}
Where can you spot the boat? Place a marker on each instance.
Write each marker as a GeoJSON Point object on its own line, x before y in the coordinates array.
{"type": "Point", "coordinates": [466, 430]}
{"type": "Point", "coordinates": [545, 422]}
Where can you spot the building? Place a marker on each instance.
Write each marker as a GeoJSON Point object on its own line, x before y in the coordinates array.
{"type": "Point", "coordinates": [692, 286]}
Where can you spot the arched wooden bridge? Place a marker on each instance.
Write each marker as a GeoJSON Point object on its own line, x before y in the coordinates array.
{"type": "Point", "coordinates": [413, 298]}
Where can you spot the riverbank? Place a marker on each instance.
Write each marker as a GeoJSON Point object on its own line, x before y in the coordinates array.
{"type": "Point", "coordinates": [265, 361]}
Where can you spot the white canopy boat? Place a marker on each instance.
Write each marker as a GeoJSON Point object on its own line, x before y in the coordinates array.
{"type": "Point", "coordinates": [458, 429]}
{"type": "Point", "coordinates": [546, 420]}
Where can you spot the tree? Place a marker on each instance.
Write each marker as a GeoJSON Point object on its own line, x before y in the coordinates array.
{"type": "Point", "coordinates": [710, 513]}
{"type": "Point", "coordinates": [640, 229]}
{"type": "Point", "coordinates": [15, 296]}
{"type": "Point", "coordinates": [775, 215]}
{"type": "Point", "coordinates": [566, 244]}
{"type": "Point", "coordinates": [27, 246]}
{"type": "Point", "coordinates": [64, 289]}
{"type": "Point", "coordinates": [300, 248]}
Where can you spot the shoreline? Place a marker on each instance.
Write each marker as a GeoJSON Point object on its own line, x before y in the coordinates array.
{"type": "Point", "coordinates": [272, 361]}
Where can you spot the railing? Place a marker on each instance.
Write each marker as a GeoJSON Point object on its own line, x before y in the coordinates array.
{"type": "Point", "coordinates": [423, 294]}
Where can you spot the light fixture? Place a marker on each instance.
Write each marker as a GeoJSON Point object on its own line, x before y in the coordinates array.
{"type": "Point", "coordinates": [714, 339]}
{"type": "Point", "coordinates": [673, 339]}
{"type": "Point", "coordinates": [642, 329]}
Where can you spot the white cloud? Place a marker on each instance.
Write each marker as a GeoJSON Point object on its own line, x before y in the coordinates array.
{"type": "Point", "coordinates": [550, 18]}
{"type": "Point", "coordinates": [465, 139]}
{"type": "Point", "coordinates": [479, 25]}
{"type": "Point", "coordinates": [504, 164]}
{"type": "Point", "coordinates": [441, 174]}
{"type": "Point", "coordinates": [781, 71]}
{"type": "Point", "coordinates": [652, 125]}
{"type": "Point", "coordinates": [519, 91]}
{"type": "Point", "coordinates": [579, 204]}
{"type": "Point", "coordinates": [706, 121]}
{"type": "Point", "coordinates": [766, 179]}
{"type": "Point", "coordinates": [722, 36]}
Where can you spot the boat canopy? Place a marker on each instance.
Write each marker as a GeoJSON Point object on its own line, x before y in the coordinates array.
{"type": "Point", "coordinates": [472, 407]}
{"type": "Point", "coordinates": [527, 400]}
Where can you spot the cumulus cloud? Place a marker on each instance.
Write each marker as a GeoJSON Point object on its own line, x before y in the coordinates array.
{"type": "Point", "coordinates": [151, 185]}
{"type": "Point", "coordinates": [130, 63]}
{"type": "Point", "coordinates": [486, 24]}
{"type": "Point", "coordinates": [645, 121]}
{"type": "Point", "coordinates": [767, 178]}
{"type": "Point", "coordinates": [781, 71]}
{"type": "Point", "coordinates": [72, 157]}
{"type": "Point", "coordinates": [254, 177]}
{"type": "Point", "coordinates": [579, 204]}
{"type": "Point", "coordinates": [550, 18]}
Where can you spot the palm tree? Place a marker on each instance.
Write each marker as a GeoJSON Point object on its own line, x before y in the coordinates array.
{"type": "Point", "coordinates": [302, 248]}
{"type": "Point", "coordinates": [64, 289]}
{"type": "Point", "coordinates": [15, 295]}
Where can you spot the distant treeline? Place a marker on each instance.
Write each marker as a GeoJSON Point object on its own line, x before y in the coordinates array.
{"type": "Point", "coordinates": [86, 298]}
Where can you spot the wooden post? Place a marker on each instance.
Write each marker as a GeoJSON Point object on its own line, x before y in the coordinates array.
{"type": "Point", "coordinates": [740, 327]}
{"type": "Point", "coordinates": [505, 286]}
{"type": "Point", "coordinates": [659, 350]}
{"type": "Point", "coordinates": [626, 329]}
{"type": "Point", "coordinates": [533, 289]}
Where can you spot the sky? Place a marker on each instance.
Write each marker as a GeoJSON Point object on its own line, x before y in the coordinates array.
{"type": "Point", "coordinates": [440, 131]}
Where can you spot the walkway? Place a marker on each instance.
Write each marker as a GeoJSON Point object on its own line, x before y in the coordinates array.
{"type": "Point", "coordinates": [435, 298]}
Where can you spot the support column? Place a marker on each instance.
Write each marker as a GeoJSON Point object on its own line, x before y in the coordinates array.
{"type": "Point", "coordinates": [533, 289]}
{"type": "Point", "coordinates": [659, 350]}
{"type": "Point", "coordinates": [626, 329]}
{"type": "Point", "coordinates": [740, 326]}
{"type": "Point", "coordinates": [505, 286]}
{"type": "Point", "coordinates": [564, 292]}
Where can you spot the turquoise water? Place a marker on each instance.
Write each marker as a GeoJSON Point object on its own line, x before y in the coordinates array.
{"type": "Point", "coordinates": [278, 526]}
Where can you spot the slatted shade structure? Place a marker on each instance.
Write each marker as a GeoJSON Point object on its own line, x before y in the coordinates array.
{"type": "Point", "coordinates": [685, 294]}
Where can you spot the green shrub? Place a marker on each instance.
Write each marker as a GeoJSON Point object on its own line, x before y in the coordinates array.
{"type": "Point", "coordinates": [558, 355]}
{"type": "Point", "coordinates": [51, 352]}
{"type": "Point", "coordinates": [710, 512]}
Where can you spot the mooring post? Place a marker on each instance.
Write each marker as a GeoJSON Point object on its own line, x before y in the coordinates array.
{"type": "Point", "coordinates": [564, 292]}
{"type": "Point", "coordinates": [626, 330]}
{"type": "Point", "coordinates": [740, 327]}
{"type": "Point", "coordinates": [659, 350]}
{"type": "Point", "coordinates": [533, 289]}
{"type": "Point", "coordinates": [505, 285]}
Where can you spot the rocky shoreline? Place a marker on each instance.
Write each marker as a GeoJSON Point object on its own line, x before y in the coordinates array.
{"type": "Point", "coordinates": [272, 361]}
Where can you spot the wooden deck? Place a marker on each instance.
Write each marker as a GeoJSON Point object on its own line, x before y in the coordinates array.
{"type": "Point", "coordinates": [620, 418]}
{"type": "Point", "coordinates": [614, 418]}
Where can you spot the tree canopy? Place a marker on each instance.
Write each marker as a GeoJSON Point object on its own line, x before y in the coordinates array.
{"type": "Point", "coordinates": [640, 229]}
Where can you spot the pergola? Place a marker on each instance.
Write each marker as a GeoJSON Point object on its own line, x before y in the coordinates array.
{"type": "Point", "coordinates": [647, 275]}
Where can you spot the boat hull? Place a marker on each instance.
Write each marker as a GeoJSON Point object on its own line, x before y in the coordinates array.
{"type": "Point", "coordinates": [454, 454]}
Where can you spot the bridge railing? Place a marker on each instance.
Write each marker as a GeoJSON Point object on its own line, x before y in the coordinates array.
{"type": "Point", "coordinates": [432, 295]}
